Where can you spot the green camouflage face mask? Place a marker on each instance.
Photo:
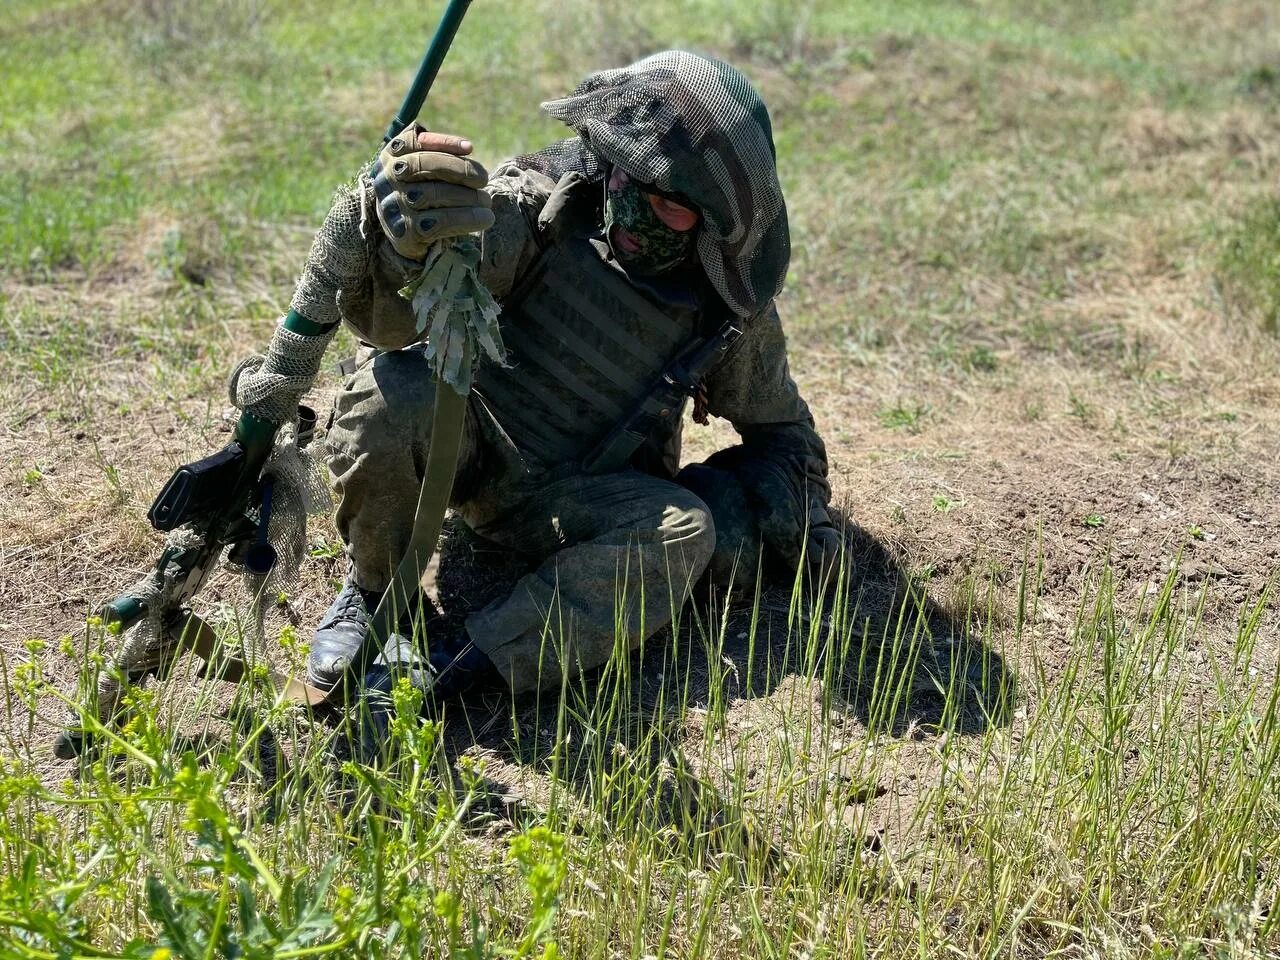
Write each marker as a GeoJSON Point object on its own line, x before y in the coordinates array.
{"type": "Point", "coordinates": [661, 247]}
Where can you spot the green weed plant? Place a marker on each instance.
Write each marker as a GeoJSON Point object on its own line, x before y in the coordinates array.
{"type": "Point", "coordinates": [1119, 797]}
{"type": "Point", "coordinates": [1249, 266]}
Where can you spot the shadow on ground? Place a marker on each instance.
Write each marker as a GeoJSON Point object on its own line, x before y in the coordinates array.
{"type": "Point", "coordinates": [878, 651]}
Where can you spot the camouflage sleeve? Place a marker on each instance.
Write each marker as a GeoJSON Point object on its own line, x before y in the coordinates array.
{"type": "Point", "coordinates": [782, 461]}
{"type": "Point", "coordinates": [510, 246]}
{"type": "Point", "coordinates": [379, 315]}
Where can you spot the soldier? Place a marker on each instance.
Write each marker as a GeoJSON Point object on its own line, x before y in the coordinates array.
{"type": "Point", "coordinates": [660, 225]}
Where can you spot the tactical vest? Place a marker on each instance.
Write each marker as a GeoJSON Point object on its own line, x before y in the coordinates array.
{"type": "Point", "coordinates": [584, 347]}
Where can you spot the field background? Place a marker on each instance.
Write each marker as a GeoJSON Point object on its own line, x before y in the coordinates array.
{"type": "Point", "coordinates": [1033, 304]}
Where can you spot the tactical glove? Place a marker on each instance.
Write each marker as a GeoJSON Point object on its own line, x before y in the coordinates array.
{"type": "Point", "coordinates": [825, 553]}
{"type": "Point", "coordinates": [427, 195]}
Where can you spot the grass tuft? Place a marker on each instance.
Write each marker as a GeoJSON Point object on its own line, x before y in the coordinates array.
{"type": "Point", "coordinates": [748, 798]}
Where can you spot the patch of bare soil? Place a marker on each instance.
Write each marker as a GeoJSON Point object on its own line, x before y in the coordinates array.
{"type": "Point", "coordinates": [973, 497]}
{"type": "Point", "coordinates": [1121, 421]}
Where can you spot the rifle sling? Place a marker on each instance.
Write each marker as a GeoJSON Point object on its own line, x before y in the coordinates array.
{"type": "Point", "coordinates": [433, 501]}
{"type": "Point", "coordinates": [681, 378]}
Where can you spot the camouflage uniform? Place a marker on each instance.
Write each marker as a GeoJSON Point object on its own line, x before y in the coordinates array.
{"type": "Point", "coordinates": [603, 536]}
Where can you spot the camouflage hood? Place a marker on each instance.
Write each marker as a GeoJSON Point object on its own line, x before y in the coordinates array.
{"type": "Point", "coordinates": [696, 128]}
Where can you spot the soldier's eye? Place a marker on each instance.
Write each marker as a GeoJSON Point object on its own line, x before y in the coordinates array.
{"type": "Point", "coordinates": [674, 215]}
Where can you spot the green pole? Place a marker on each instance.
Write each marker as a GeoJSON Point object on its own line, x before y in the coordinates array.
{"type": "Point", "coordinates": [256, 436]}
{"type": "Point", "coordinates": [421, 86]}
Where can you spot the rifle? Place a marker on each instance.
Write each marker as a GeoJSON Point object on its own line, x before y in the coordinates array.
{"type": "Point", "coordinates": [680, 379]}
{"type": "Point", "coordinates": [223, 502]}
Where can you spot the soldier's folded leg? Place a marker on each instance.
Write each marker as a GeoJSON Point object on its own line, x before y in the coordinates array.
{"type": "Point", "coordinates": [625, 552]}
{"type": "Point", "coordinates": [378, 445]}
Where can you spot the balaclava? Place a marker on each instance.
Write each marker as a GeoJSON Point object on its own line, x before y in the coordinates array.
{"type": "Point", "coordinates": [661, 247]}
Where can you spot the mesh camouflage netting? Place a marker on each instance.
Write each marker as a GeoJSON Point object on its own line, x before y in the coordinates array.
{"type": "Point", "coordinates": [696, 127]}
{"type": "Point", "coordinates": [300, 489]}
{"type": "Point", "coordinates": [270, 387]}
{"type": "Point", "coordinates": [148, 645]}
{"type": "Point", "coordinates": [339, 255]}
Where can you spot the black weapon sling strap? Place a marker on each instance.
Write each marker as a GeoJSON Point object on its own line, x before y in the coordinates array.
{"type": "Point", "coordinates": [570, 212]}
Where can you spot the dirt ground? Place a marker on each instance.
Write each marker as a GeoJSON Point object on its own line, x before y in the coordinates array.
{"type": "Point", "coordinates": [1125, 419]}
{"type": "Point", "coordinates": [964, 503]}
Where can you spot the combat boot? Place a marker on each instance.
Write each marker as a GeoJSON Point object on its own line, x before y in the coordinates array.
{"type": "Point", "coordinates": [458, 667]}
{"type": "Point", "coordinates": [453, 666]}
{"type": "Point", "coordinates": [338, 638]}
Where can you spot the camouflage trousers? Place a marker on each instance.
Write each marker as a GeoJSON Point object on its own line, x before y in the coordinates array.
{"type": "Point", "coordinates": [621, 552]}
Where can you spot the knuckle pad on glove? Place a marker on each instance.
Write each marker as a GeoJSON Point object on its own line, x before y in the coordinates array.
{"type": "Point", "coordinates": [425, 228]}
{"type": "Point", "coordinates": [393, 219]}
{"type": "Point", "coordinates": [439, 223]}
{"type": "Point", "coordinates": [383, 185]}
{"type": "Point", "coordinates": [430, 195]}
{"type": "Point", "coordinates": [445, 167]}
{"type": "Point", "coordinates": [406, 140]}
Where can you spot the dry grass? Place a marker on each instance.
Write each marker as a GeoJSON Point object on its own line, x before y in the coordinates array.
{"type": "Point", "coordinates": [1005, 314]}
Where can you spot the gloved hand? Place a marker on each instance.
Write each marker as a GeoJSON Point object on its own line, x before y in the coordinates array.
{"type": "Point", "coordinates": [427, 189]}
{"type": "Point", "coordinates": [823, 554]}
